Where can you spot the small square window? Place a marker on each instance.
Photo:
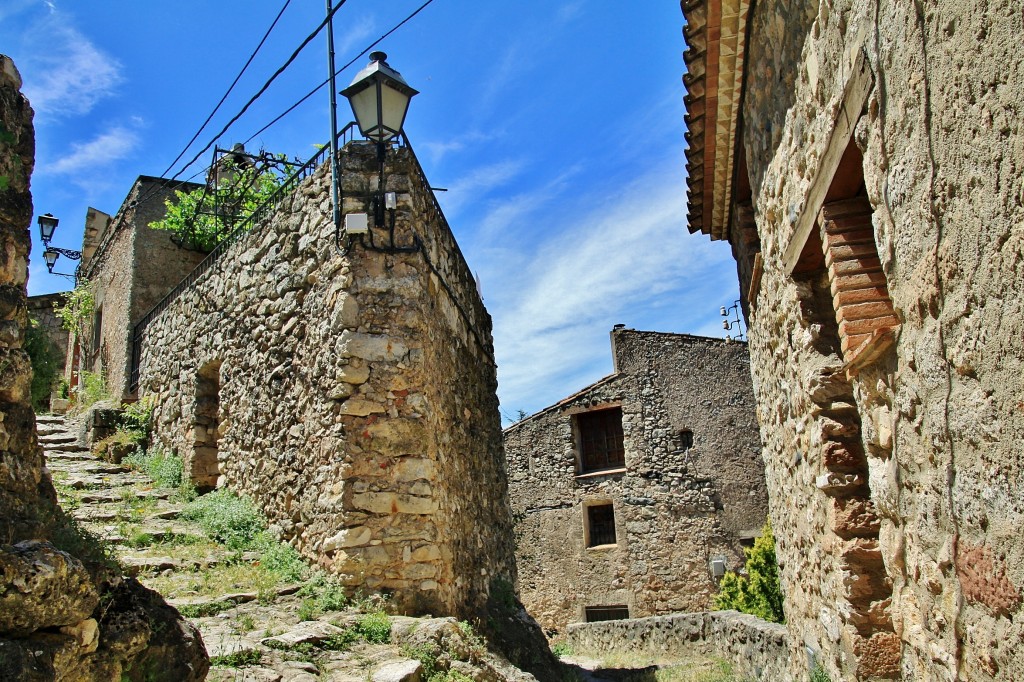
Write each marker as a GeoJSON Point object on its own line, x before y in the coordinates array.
{"type": "Point", "coordinates": [600, 525]}
{"type": "Point", "coordinates": [595, 614]}
{"type": "Point", "coordinates": [601, 440]}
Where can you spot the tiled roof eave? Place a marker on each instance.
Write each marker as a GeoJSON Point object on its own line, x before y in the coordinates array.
{"type": "Point", "coordinates": [715, 34]}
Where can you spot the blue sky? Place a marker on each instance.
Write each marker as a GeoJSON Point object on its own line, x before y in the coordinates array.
{"type": "Point", "coordinates": [557, 127]}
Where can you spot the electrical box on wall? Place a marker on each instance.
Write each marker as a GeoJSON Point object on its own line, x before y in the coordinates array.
{"type": "Point", "coordinates": [718, 567]}
{"type": "Point", "coordinates": [356, 223]}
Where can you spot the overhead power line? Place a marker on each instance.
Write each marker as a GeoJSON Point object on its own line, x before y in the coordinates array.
{"type": "Point", "coordinates": [263, 89]}
{"type": "Point", "coordinates": [328, 79]}
{"type": "Point", "coordinates": [228, 92]}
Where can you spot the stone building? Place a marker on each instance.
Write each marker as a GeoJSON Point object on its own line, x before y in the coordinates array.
{"type": "Point", "coordinates": [64, 614]}
{"type": "Point", "coordinates": [129, 267]}
{"type": "Point", "coordinates": [864, 162]}
{"type": "Point", "coordinates": [347, 384]}
{"type": "Point", "coordinates": [633, 495]}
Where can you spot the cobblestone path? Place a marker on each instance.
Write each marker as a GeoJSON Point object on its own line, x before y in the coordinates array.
{"type": "Point", "coordinates": [254, 629]}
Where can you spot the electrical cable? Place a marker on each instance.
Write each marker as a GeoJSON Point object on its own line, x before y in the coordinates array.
{"type": "Point", "coordinates": [348, 64]}
{"type": "Point", "coordinates": [230, 88]}
{"type": "Point", "coordinates": [264, 88]}
{"type": "Point", "coordinates": [223, 98]}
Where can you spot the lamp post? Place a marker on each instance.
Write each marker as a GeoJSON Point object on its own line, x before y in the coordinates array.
{"type": "Point", "coordinates": [380, 100]}
{"type": "Point", "coordinates": [728, 324]}
{"type": "Point", "coordinates": [47, 226]}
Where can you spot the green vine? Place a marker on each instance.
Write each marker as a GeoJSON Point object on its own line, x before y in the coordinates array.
{"type": "Point", "coordinates": [79, 305]}
{"type": "Point", "coordinates": [202, 218]}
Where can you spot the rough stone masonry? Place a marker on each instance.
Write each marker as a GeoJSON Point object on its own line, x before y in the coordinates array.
{"type": "Point", "coordinates": [348, 387]}
{"type": "Point", "coordinates": [876, 209]}
{"type": "Point", "coordinates": [639, 535]}
{"type": "Point", "coordinates": [65, 613]}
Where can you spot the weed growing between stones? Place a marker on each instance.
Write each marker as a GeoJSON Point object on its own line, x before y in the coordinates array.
{"type": "Point", "coordinates": [238, 659]}
{"type": "Point", "coordinates": [374, 627]}
{"type": "Point", "coordinates": [561, 649]}
{"type": "Point", "coordinates": [165, 468]}
{"type": "Point", "coordinates": [326, 593]}
{"type": "Point", "coordinates": [245, 623]}
{"type": "Point", "coordinates": [819, 674]}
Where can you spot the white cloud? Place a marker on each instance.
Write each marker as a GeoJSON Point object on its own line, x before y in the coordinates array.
{"type": "Point", "coordinates": [359, 30]}
{"type": "Point", "coordinates": [72, 76]}
{"type": "Point", "coordinates": [629, 261]}
{"type": "Point", "coordinates": [569, 11]}
{"type": "Point", "coordinates": [113, 145]}
{"type": "Point", "coordinates": [478, 182]}
{"type": "Point", "coordinates": [504, 215]}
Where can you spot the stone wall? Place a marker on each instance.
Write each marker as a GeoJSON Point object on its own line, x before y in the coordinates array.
{"type": "Point", "coordinates": [40, 308]}
{"type": "Point", "coordinates": [349, 388]}
{"type": "Point", "coordinates": [65, 612]}
{"type": "Point", "coordinates": [756, 649]}
{"type": "Point", "coordinates": [894, 463]}
{"type": "Point", "coordinates": [131, 269]}
{"type": "Point", "coordinates": [679, 501]}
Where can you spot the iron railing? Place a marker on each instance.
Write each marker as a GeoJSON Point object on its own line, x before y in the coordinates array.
{"type": "Point", "coordinates": [260, 213]}
{"type": "Point", "coordinates": [265, 210]}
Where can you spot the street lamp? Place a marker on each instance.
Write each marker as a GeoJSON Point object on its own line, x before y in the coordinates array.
{"type": "Point", "coordinates": [47, 226]}
{"type": "Point", "coordinates": [380, 99]}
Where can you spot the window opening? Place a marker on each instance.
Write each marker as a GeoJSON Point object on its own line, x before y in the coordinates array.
{"type": "Point", "coordinates": [596, 614]}
{"type": "Point", "coordinates": [601, 440]}
{"type": "Point", "coordinates": [600, 525]}
{"type": "Point", "coordinates": [97, 330]}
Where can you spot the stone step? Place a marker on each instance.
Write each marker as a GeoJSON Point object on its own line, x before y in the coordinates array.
{"type": "Point", "coordinates": [58, 439]}
{"type": "Point", "coordinates": [78, 455]}
{"type": "Point", "coordinates": [96, 514]}
{"type": "Point", "coordinates": [117, 496]}
{"type": "Point", "coordinates": [141, 563]}
{"type": "Point", "coordinates": [50, 419]}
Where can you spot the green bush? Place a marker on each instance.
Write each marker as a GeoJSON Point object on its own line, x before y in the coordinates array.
{"type": "Point", "coordinates": [45, 359]}
{"type": "Point", "coordinates": [281, 559]}
{"type": "Point", "coordinates": [92, 388]}
{"type": "Point", "coordinates": [759, 592]}
{"type": "Point", "coordinates": [228, 518]}
{"type": "Point", "coordinates": [374, 627]}
{"type": "Point", "coordinates": [165, 468]}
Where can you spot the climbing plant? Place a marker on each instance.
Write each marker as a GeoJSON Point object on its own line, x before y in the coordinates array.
{"type": "Point", "coordinates": [79, 304]}
{"type": "Point", "coordinates": [759, 592]}
{"type": "Point", "coordinates": [45, 359]}
{"type": "Point", "coordinates": [200, 219]}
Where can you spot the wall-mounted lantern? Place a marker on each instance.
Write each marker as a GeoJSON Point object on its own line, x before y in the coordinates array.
{"type": "Point", "coordinates": [380, 99]}
{"type": "Point", "coordinates": [47, 226]}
